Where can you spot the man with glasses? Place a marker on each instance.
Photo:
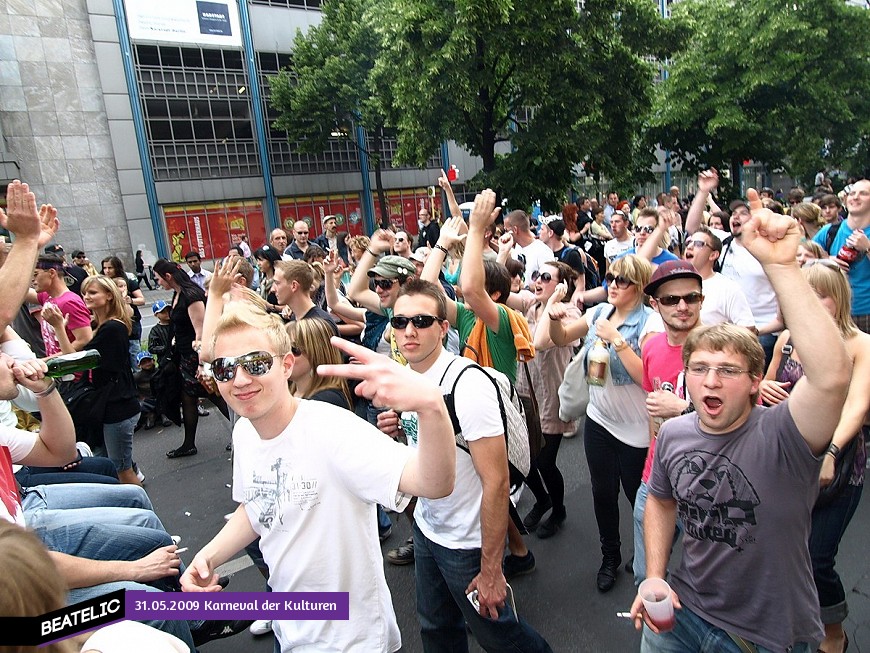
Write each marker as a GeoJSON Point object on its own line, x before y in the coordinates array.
{"type": "Point", "coordinates": [743, 478]}
{"type": "Point", "coordinates": [307, 476]}
{"type": "Point", "coordinates": [529, 250]}
{"type": "Point", "coordinates": [459, 540]}
{"type": "Point", "coordinates": [60, 306]}
{"type": "Point", "coordinates": [297, 248]}
{"type": "Point", "coordinates": [724, 301]}
{"type": "Point", "coordinates": [402, 244]}
{"type": "Point", "coordinates": [650, 235]}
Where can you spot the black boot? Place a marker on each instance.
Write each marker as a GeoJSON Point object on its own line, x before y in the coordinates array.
{"type": "Point", "coordinates": [607, 572]}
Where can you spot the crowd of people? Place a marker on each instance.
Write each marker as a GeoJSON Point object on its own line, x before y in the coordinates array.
{"type": "Point", "coordinates": [691, 336]}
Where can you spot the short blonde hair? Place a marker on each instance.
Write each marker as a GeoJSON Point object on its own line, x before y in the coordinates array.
{"type": "Point", "coordinates": [726, 337]}
{"type": "Point", "coordinates": [243, 315]}
{"type": "Point", "coordinates": [830, 281]}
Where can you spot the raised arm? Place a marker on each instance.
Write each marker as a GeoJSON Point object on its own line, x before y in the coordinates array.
{"type": "Point", "coordinates": [31, 230]}
{"type": "Point", "coordinates": [359, 290]}
{"type": "Point", "coordinates": [708, 181]}
{"type": "Point", "coordinates": [817, 399]}
{"type": "Point", "coordinates": [473, 281]}
{"type": "Point", "coordinates": [452, 204]}
{"type": "Point", "coordinates": [453, 231]}
{"type": "Point", "coordinates": [221, 283]}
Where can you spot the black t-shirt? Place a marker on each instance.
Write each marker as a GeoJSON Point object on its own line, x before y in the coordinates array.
{"type": "Point", "coordinates": [110, 339]}
{"type": "Point", "coordinates": [78, 275]}
{"type": "Point", "coordinates": [182, 327]}
{"type": "Point", "coordinates": [331, 396]}
{"type": "Point", "coordinates": [318, 312]}
{"type": "Point", "coordinates": [570, 256]}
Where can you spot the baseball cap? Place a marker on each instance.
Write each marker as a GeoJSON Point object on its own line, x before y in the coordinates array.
{"type": "Point", "coordinates": [419, 255]}
{"type": "Point", "coordinates": [159, 305]}
{"type": "Point", "coordinates": [143, 354]}
{"type": "Point", "coordinates": [393, 267]}
{"type": "Point", "coordinates": [556, 224]}
{"type": "Point", "coordinates": [54, 248]}
{"type": "Point", "coordinates": [670, 270]}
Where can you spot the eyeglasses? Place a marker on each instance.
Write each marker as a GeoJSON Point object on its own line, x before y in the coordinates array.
{"type": "Point", "coordinates": [301, 233]}
{"type": "Point", "coordinates": [698, 369]}
{"type": "Point", "coordinates": [697, 243]}
{"type": "Point", "coordinates": [419, 321]}
{"type": "Point", "coordinates": [256, 363]}
{"type": "Point", "coordinates": [673, 300]}
{"type": "Point", "coordinates": [384, 284]}
{"type": "Point", "coordinates": [646, 230]}
{"type": "Point", "coordinates": [619, 281]}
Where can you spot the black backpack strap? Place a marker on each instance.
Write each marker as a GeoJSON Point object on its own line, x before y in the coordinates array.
{"type": "Point", "coordinates": [726, 248]}
{"type": "Point", "coordinates": [832, 233]}
{"type": "Point", "coordinates": [451, 404]}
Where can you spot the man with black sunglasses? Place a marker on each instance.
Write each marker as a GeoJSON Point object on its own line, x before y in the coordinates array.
{"type": "Point", "coordinates": [675, 292]}
{"type": "Point", "coordinates": [459, 540]}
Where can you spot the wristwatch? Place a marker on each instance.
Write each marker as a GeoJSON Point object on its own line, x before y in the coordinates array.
{"type": "Point", "coordinates": [619, 343]}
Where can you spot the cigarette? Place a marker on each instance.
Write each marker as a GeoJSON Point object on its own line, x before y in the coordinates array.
{"type": "Point", "coordinates": [623, 615]}
{"type": "Point", "coordinates": [181, 550]}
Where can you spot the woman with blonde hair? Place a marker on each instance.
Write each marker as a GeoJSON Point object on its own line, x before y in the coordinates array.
{"type": "Point", "coordinates": [616, 431]}
{"type": "Point", "coordinates": [841, 479]}
{"type": "Point", "coordinates": [312, 347]}
{"type": "Point", "coordinates": [809, 217]}
{"type": "Point", "coordinates": [112, 330]}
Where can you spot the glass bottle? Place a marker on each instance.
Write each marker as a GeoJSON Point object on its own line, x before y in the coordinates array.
{"type": "Point", "coordinates": [59, 366]}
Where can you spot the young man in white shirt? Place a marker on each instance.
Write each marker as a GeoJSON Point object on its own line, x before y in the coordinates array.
{"type": "Point", "coordinates": [308, 475]}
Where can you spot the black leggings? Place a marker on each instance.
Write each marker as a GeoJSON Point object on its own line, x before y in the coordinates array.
{"type": "Point", "coordinates": [544, 477]}
{"type": "Point", "coordinates": [190, 415]}
{"type": "Point", "coordinates": [611, 463]}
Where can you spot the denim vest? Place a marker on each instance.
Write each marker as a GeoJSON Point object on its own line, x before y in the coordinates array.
{"type": "Point", "coordinates": [630, 330]}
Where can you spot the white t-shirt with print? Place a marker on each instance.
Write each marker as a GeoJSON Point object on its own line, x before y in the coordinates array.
{"type": "Point", "coordinates": [744, 269]}
{"type": "Point", "coordinates": [621, 409]}
{"type": "Point", "coordinates": [533, 256]}
{"type": "Point", "coordinates": [310, 494]}
{"type": "Point", "coordinates": [454, 521]}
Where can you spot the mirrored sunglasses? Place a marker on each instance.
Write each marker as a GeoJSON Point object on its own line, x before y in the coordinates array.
{"type": "Point", "coordinates": [256, 363]}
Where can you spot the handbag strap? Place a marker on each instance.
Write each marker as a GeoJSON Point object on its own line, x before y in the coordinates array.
{"type": "Point", "coordinates": [531, 387]}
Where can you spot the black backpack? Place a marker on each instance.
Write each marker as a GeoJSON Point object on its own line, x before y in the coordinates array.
{"type": "Point", "coordinates": [591, 275]}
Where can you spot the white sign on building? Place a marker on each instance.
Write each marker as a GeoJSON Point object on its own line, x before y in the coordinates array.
{"type": "Point", "coordinates": [185, 21]}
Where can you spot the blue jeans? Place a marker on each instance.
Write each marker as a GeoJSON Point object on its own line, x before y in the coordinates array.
{"type": "Point", "coordinates": [118, 438]}
{"type": "Point", "coordinates": [639, 565]}
{"type": "Point", "coordinates": [768, 341]}
{"type": "Point", "coordinates": [53, 506]}
{"type": "Point", "coordinates": [89, 470]}
{"type": "Point", "coordinates": [828, 525]}
{"type": "Point", "coordinates": [695, 635]}
{"type": "Point", "coordinates": [443, 609]}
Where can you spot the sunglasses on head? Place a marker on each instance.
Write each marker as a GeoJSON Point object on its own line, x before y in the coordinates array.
{"type": "Point", "coordinates": [384, 284]}
{"type": "Point", "coordinates": [256, 363]}
{"type": "Point", "coordinates": [646, 230]}
{"type": "Point", "coordinates": [673, 300]}
{"type": "Point", "coordinates": [619, 281]}
{"type": "Point", "coordinates": [419, 321]}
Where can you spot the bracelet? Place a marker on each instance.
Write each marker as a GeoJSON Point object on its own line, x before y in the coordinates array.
{"type": "Point", "coordinates": [833, 449]}
{"type": "Point", "coordinates": [369, 250]}
{"type": "Point", "coordinates": [442, 248]}
{"type": "Point", "coordinates": [44, 393]}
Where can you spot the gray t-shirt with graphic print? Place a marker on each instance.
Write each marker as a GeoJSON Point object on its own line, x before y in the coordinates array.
{"type": "Point", "coordinates": [745, 499]}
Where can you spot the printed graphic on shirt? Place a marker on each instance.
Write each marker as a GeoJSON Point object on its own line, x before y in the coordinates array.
{"type": "Point", "coordinates": [409, 425]}
{"type": "Point", "coordinates": [716, 501]}
{"type": "Point", "coordinates": [280, 491]}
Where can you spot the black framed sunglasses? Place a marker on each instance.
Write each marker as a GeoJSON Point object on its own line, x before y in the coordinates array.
{"type": "Point", "coordinates": [384, 284]}
{"type": "Point", "coordinates": [546, 277]}
{"type": "Point", "coordinates": [419, 321]}
{"type": "Point", "coordinates": [673, 300]}
{"type": "Point", "coordinates": [256, 363]}
{"type": "Point", "coordinates": [619, 281]}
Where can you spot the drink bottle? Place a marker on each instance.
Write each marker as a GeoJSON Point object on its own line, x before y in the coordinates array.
{"type": "Point", "coordinates": [59, 366]}
{"type": "Point", "coordinates": [599, 359]}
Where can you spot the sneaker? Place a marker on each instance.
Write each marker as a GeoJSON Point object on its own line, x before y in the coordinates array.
{"type": "Point", "coordinates": [176, 539]}
{"type": "Point", "coordinates": [518, 565]}
{"type": "Point", "coordinates": [403, 555]}
{"type": "Point", "coordinates": [212, 630]}
{"type": "Point", "coordinates": [84, 450]}
{"type": "Point", "coordinates": [166, 422]}
{"type": "Point", "coordinates": [537, 513]}
{"type": "Point", "coordinates": [201, 410]}
{"type": "Point", "coordinates": [261, 627]}
{"type": "Point", "coordinates": [139, 473]}
{"type": "Point", "coordinates": [550, 527]}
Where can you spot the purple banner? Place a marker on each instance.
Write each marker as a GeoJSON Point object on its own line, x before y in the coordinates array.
{"type": "Point", "coordinates": [288, 606]}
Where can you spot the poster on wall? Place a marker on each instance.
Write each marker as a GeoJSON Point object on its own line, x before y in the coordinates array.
{"type": "Point", "coordinates": [211, 229]}
{"type": "Point", "coordinates": [312, 209]}
{"type": "Point", "coordinates": [404, 208]}
{"type": "Point", "coordinates": [184, 21]}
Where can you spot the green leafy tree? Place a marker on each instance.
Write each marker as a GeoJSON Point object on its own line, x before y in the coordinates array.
{"type": "Point", "coordinates": [558, 85]}
{"type": "Point", "coordinates": [782, 82]}
{"type": "Point", "coordinates": [330, 87]}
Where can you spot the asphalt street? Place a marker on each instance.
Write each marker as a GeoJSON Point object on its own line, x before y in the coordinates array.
{"type": "Point", "coordinates": [559, 599]}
